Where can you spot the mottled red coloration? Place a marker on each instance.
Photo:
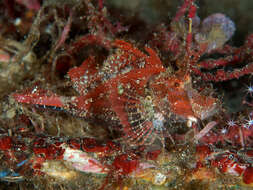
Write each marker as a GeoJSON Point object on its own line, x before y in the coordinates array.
{"type": "Point", "coordinates": [188, 4]}
{"type": "Point", "coordinates": [249, 153]}
{"type": "Point", "coordinates": [75, 144]}
{"type": "Point", "coordinates": [49, 151]}
{"type": "Point", "coordinates": [120, 87]}
{"type": "Point", "coordinates": [125, 165]}
{"type": "Point", "coordinates": [91, 145]}
{"type": "Point", "coordinates": [203, 151]}
{"type": "Point", "coordinates": [131, 82]}
{"type": "Point", "coordinates": [5, 143]}
{"type": "Point", "coordinates": [248, 175]}
{"type": "Point", "coordinates": [39, 97]}
{"type": "Point", "coordinates": [40, 149]}
{"type": "Point", "coordinates": [228, 163]}
{"type": "Point", "coordinates": [140, 98]}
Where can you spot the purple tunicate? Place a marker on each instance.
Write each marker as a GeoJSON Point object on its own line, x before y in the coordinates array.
{"type": "Point", "coordinates": [215, 30]}
{"type": "Point", "coordinates": [219, 20]}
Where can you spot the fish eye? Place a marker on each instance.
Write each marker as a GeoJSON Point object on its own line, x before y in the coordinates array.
{"type": "Point", "coordinates": [176, 84]}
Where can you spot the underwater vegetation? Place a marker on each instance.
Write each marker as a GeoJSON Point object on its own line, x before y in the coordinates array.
{"type": "Point", "coordinates": [95, 98]}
